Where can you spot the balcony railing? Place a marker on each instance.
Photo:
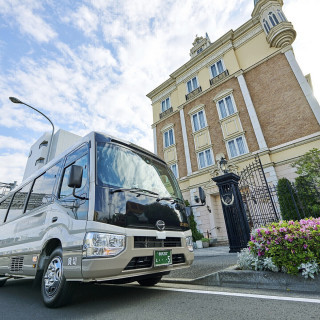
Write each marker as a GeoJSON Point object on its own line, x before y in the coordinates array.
{"type": "Point", "coordinates": [193, 93]}
{"type": "Point", "coordinates": [219, 77]}
{"type": "Point", "coordinates": [165, 113]}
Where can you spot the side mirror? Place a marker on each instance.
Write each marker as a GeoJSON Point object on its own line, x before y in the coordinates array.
{"type": "Point", "coordinates": [202, 196]}
{"type": "Point", "coordinates": [75, 178]}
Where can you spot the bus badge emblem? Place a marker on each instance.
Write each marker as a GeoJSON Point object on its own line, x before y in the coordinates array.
{"type": "Point", "coordinates": [160, 225]}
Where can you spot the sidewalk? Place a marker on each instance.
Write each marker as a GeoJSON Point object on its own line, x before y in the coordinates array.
{"type": "Point", "coordinates": [215, 266]}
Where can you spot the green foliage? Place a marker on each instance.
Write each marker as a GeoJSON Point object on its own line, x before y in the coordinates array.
{"type": "Point", "coordinates": [196, 235]}
{"type": "Point", "coordinates": [293, 246]}
{"type": "Point", "coordinates": [287, 200]}
{"type": "Point", "coordinates": [308, 197]}
{"type": "Point", "coordinates": [205, 240]}
{"type": "Point", "coordinates": [309, 166]}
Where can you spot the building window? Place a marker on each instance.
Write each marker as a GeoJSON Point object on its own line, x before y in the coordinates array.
{"type": "Point", "coordinates": [192, 84]}
{"type": "Point", "coordinates": [38, 161]}
{"type": "Point", "coordinates": [273, 19]}
{"type": "Point", "coordinates": [205, 158]}
{"type": "Point", "coordinates": [217, 68]}
{"type": "Point", "coordinates": [266, 26]}
{"type": "Point", "coordinates": [281, 15]}
{"type": "Point", "coordinates": [174, 168]}
{"type": "Point", "coordinates": [168, 138]}
{"type": "Point", "coordinates": [43, 144]}
{"type": "Point", "coordinates": [198, 121]}
{"type": "Point", "coordinates": [199, 50]}
{"type": "Point", "coordinates": [226, 107]}
{"type": "Point", "coordinates": [237, 147]}
{"type": "Point", "coordinates": [165, 104]}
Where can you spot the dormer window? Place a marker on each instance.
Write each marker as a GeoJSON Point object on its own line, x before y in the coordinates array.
{"type": "Point", "coordinates": [273, 19]}
{"type": "Point", "coordinates": [199, 50]}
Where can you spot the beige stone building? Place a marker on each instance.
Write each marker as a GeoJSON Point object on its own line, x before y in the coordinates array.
{"type": "Point", "coordinates": [241, 95]}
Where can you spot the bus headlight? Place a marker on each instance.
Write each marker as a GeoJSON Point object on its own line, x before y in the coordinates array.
{"type": "Point", "coordinates": [189, 243]}
{"type": "Point", "coordinates": [97, 244]}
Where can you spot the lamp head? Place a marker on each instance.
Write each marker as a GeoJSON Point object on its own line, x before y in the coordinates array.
{"type": "Point", "coordinates": [223, 165]}
{"type": "Point", "coordinates": [15, 100]}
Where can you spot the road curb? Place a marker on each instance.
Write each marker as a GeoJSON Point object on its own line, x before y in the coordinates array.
{"type": "Point", "coordinates": [253, 280]}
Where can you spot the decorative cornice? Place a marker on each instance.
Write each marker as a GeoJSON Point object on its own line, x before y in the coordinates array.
{"type": "Point", "coordinates": [204, 63]}
{"type": "Point", "coordinates": [241, 40]}
{"type": "Point", "coordinates": [163, 94]}
{"type": "Point", "coordinates": [196, 109]}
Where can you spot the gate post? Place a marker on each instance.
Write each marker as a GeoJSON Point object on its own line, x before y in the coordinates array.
{"type": "Point", "coordinates": [233, 210]}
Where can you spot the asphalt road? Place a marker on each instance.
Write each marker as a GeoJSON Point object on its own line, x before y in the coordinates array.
{"type": "Point", "coordinates": [20, 300]}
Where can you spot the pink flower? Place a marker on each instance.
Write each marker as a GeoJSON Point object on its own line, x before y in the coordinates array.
{"type": "Point", "coordinates": [305, 246]}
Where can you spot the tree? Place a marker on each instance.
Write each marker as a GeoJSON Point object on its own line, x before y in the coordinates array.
{"type": "Point", "coordinates": [308, 166]}
{"type": "Point", "coordinates": [196, 234]}
{"type": "Point", "coordinates": [287, 200]}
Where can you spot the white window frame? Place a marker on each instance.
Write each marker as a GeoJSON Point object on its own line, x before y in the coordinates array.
{"type": "Point", "coordinates": [225, 103]}
{"type": "Point", "coordinates": [177, 170]}
{"type": "Point", "coordinates": [236, 146]}
{"type": "Point", "coordinates": [167, 105]}
{"type": "Point", "coordinates": [205, 159]}
{"type": "Point", "coordinates": [205, 120]}
{"type": "Point", "coordinates": [192, 87]}
{"type": "Point", "coordinates": [216, 64]}
{"type": "Point", "coordinates": [164, 139]}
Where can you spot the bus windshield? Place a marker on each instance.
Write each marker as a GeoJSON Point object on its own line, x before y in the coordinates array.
{"type": "Point", "coordinates": [120, 167]}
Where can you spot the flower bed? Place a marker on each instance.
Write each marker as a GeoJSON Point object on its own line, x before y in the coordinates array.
{"type": "Point", "coordinates": [287, 246]}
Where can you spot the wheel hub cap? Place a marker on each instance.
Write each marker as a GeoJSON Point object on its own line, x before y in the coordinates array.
{"type": "Point", "coordinates": [53, 276]}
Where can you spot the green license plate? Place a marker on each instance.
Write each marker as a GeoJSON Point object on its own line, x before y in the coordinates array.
{"type": "Point", "coordinates": [162, 258]}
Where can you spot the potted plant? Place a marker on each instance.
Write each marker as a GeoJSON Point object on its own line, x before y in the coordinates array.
{"type": "Point", "coordinates": [212, 242]}
{"type": "Point", "coordinates": [205, 242]}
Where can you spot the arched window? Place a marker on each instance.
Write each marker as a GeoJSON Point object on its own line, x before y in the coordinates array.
{"type": "Point", "coordinates": [281, 15]}
{"type": "Point", "coordinates": [273, 19]}
{"type": "Point", "coordinates": [266, 26]}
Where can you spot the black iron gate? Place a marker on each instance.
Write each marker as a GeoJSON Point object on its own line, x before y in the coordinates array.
{"type": "Point", "coordinates": [258, 197]}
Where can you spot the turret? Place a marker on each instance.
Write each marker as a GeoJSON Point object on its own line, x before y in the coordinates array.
{"type": "Point", "coordinates": [278, 29]}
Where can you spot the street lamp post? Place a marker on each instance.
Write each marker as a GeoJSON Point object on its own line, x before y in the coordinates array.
{"type": "Point", "coordinates": [15, 100]}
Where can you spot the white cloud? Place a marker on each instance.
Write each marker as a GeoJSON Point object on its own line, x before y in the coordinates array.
{"type": "Point", "coordinates": [12, 167]}
{"type": "Point", "coordinates": [13, 144]}
{"type": "Point", "coordinates": [23, 12]}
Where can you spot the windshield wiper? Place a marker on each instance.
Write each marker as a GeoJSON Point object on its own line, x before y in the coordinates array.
{"type": "Point", "coordinates": [173, 199]}
{"type": "Point", "coordinates": [135, 190]}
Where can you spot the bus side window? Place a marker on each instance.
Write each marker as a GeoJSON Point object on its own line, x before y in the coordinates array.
{"type": "Point", "coordinates": [4, 205]}
{"type": "Point", "coordinates": [42, 190]}
{"type": "Point", "coordinates": [17, 205]}
{"type": "Point", "coordinates": [66, 191]}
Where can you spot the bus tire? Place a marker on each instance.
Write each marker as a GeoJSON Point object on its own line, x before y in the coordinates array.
{"type": "Point", "coordinates": [149, 282]}
{"type": "Point", "coordinates": [55, 290]}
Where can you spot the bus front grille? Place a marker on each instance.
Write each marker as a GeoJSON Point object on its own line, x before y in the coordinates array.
{"type": "Point", "coordinates": [16, 264]}
{"type": "Point", "coordinates": [153, 242]}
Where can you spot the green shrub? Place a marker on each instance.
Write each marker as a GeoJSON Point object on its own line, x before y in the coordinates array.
{"type": "Point", "coordinates": [196, 234]}
{"type": "Point", "coordinates": [205, 240]}
{"type": "Point", "coordinates": [287, 200]}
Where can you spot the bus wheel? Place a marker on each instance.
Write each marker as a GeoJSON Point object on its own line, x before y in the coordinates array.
{"type": "Point", "coordinates": [55, 290]}
{"type": "Point", "coordinates": [149, 282]}
{"type": "Point", "coordinates": [3, 281]}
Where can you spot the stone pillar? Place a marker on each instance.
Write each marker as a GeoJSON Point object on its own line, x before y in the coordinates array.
{"type": "Point", "coordinates": [233, 210]}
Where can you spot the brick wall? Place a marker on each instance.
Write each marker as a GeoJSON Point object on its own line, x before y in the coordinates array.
{"type": "Point", "coordinates": [282, 109]}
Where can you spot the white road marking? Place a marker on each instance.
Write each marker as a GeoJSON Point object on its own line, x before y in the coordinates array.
{"type": "Point", "coordinates": [235, 294]}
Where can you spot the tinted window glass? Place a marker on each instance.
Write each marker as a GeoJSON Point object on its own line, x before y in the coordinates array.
{"type": "Point", "coordinates": [77, 154]}
{"type": "Point", "coordinates": [4, 205]}
{"type": "Point", "coordinates": [42, 190]}
{"type": "Point", "coordinates": [19, 198]}
{"type": "Point", "coordinates": [65, 190]}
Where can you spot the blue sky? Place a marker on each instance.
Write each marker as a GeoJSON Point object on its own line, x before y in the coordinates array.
{"type": "Point", "coordinates": [89, 64]}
